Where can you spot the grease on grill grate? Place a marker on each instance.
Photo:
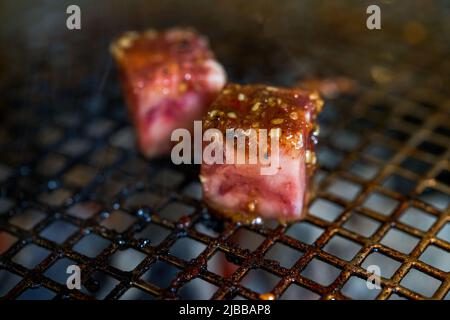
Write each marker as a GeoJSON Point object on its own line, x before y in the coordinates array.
{"type": "Point", "coordinates": [76, 192]}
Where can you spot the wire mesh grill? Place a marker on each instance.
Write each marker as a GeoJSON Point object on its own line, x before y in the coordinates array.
{"type": "Point", "coordinates": [75, 191]}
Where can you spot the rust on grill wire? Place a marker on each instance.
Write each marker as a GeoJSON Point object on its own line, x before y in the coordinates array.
{"type": "Point", "coordinates": [74, 191]}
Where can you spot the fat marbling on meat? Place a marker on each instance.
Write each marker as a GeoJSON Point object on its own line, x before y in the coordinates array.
{"type": "Point", "coordinates": [169, 79]}
{"type": "Point", "coordinates": [240, 191]}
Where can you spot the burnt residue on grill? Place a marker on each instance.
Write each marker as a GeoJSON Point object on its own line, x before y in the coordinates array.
{"type": "Point", "coordinates": [74, 190]}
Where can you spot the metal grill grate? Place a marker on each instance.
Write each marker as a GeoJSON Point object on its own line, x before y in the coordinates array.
{"type": "Point", "coordinates": [73, 190]}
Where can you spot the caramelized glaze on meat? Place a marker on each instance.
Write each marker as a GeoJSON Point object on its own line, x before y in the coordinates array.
{"type": "Point", "coordinates": [239, 191]}
{"type": "Point", "coordinates": [169, 79]}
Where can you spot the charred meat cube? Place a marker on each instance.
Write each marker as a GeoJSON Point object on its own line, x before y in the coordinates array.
{"type": "Point", "coordinates": [169, 78]}
{"type": "Point", "coordinates": [242, 191]}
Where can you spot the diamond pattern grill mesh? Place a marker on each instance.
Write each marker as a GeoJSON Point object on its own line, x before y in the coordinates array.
{"type": "Point", "coordinates": [73, 190]}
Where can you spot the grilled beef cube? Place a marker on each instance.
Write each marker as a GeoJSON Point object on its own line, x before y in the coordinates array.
{"type": "Point", "coordinates": [169, 78]}
{"type": "Point", "coordinates": [242, 191]}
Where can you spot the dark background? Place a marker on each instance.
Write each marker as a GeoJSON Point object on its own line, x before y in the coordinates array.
{"type": "Point", "coordinates": [296, 35]}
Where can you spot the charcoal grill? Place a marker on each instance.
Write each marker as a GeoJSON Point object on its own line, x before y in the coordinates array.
{"type": "Point", "coordinates": [74, 190]}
